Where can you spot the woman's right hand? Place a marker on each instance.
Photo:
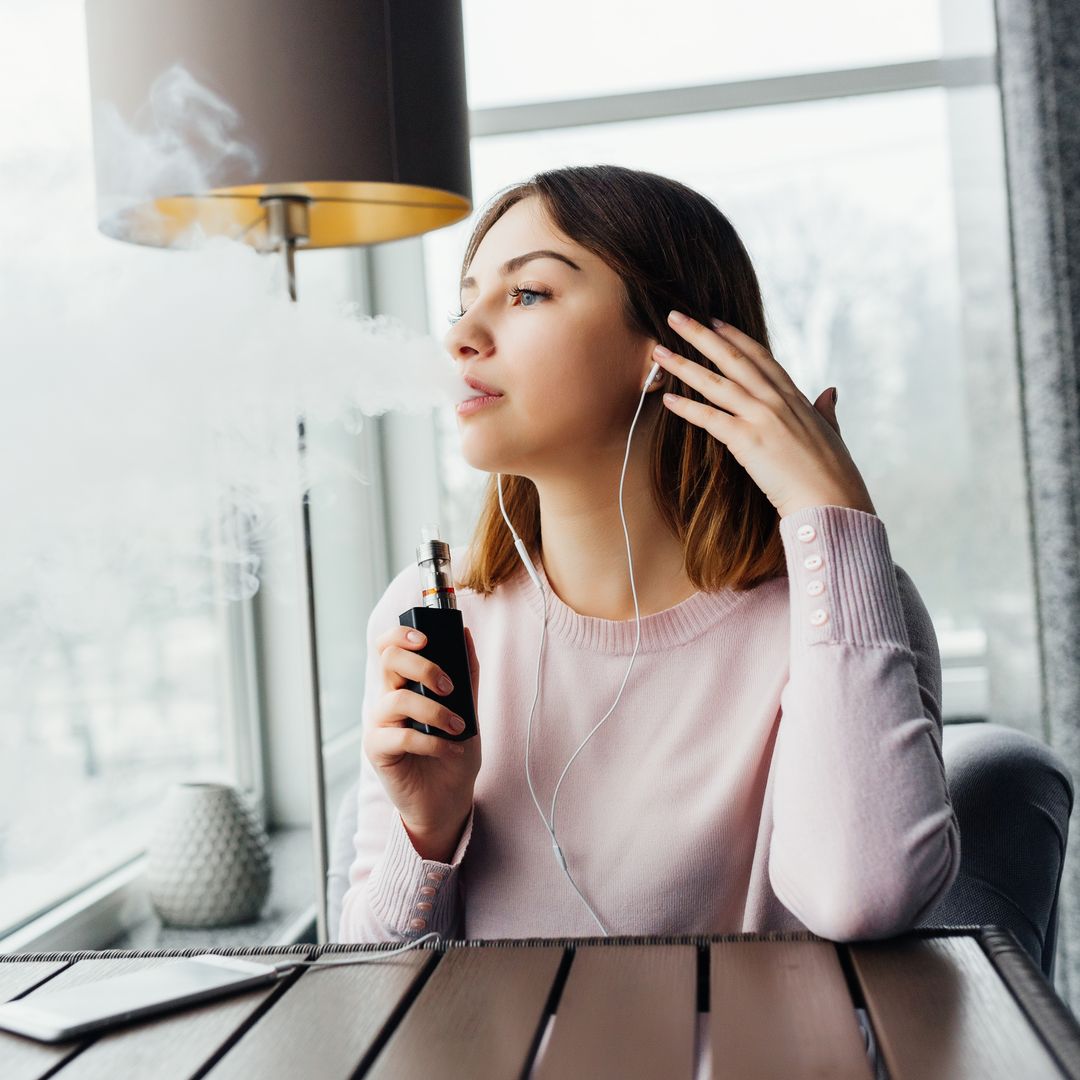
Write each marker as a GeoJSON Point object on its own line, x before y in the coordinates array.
{"type": "Point", "coordinates": [429, 779]}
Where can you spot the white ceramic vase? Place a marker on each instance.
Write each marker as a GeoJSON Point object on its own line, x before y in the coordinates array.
{"type": "Point", "coordinates": [208, 859]}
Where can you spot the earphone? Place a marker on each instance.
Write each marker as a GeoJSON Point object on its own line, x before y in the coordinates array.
{"type": "Point", "coordinates": [519, 544]}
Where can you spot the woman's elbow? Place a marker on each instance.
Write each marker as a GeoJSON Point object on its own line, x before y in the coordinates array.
{"type": "Point", "coordinates": [864, 906]}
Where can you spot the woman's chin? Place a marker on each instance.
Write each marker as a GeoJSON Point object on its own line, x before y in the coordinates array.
{"type": "Point", "coordinates": [483, 454]}
{"type": "Point", "coordinates": [477, 452]}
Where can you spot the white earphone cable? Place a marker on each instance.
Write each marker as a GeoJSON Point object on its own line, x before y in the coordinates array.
{"type": "Point", "coordinates": [550, 826]}
{"type": "Point", "coordinates": [286, 966]}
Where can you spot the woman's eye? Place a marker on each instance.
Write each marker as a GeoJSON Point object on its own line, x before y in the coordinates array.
{"type": "Point", "coordinates": [515, 291]}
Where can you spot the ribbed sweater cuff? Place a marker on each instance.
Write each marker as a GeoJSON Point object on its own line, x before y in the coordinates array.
{"type": "Point", "coordinates": [842, 578]}
{"type": "Point", "coordinates": [402, 884]}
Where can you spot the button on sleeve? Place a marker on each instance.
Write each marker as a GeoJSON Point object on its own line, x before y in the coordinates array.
{"type": "Point", "coordinates": [406, 890]}
{"type": "Point", "coordinates": [843, 585]}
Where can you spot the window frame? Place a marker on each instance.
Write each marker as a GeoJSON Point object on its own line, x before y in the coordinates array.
{"type": "Point", "coordinates": [262, 673]}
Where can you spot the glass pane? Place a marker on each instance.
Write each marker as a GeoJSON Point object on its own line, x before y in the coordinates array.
{"type": "Point", "coordinates": [112, 641]}
{"type": "Point", "coordinates": [567, 49]}
{"type": "Point", "coordinates": [92, 732]}
{"type": "Point", "coordinates": [345, 523]}
{"type": "Point", "coordinates": [905, 308]}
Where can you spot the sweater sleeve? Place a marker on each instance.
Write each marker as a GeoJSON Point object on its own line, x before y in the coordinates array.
{"type": "Point", "coordinates": [865, 840]}
{"type": "Point", "coordinates": [393, 893]}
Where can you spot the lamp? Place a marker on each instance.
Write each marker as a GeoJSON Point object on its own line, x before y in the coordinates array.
{"type": "Point", "coordinates": [347, 125]}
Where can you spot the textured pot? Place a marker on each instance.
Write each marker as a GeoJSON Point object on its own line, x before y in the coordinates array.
{"type": "Point", "coordinates": [208, 859]}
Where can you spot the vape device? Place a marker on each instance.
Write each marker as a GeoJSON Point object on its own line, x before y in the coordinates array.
{"type": "Point", "coordinates": [440, 621]}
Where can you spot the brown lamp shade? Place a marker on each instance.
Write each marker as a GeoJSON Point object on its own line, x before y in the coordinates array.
{"type": "Point", "coordinates": [202, 107]}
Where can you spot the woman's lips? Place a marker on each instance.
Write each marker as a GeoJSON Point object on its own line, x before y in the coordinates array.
{"type": "Point", "coordinates": [476, 403]}
{"type": "Point", "coordinates": [482, 388]}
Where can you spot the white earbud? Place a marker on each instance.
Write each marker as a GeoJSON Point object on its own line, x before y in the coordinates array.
{"type": "Point", "coordinates": [652, 376]}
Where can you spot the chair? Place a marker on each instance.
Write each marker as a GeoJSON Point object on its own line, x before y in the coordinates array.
{"type": "Point", "coordinates": [1013, 796]}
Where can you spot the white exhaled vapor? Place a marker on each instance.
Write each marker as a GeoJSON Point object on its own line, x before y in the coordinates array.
{"type": "Point", "coordinates": [149, 435]}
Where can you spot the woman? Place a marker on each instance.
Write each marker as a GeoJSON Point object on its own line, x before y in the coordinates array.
{"type": "Point", "coordinates": [774, 758]}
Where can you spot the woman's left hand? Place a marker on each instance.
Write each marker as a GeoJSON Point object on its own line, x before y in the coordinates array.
{"type": "Point", "coordinates": [791, 449]}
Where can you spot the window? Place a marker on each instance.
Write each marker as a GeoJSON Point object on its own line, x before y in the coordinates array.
{"type": "Point", "coordinates": [622, 46]}
{"type": "Point", "coordinates": [906, 308]}
{"type": "Point", "coordinates": [877, 224]}
{"type": "Point", "coordinates": [116, 657]}
{"type": "Point", "coordinates": [93, 730]}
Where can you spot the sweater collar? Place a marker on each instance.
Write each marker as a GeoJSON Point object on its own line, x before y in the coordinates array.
{"type": "Point", "coordinates": [661, 630]}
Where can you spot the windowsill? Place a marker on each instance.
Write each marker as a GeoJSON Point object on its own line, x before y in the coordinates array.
{"type": "Point", "coordinates": [288, 916]}
{"type": "Point", "coordinates": [116, 912]}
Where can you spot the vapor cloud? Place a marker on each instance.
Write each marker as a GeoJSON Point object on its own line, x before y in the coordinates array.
{"type": "Point", "coordinates": [151, 396]}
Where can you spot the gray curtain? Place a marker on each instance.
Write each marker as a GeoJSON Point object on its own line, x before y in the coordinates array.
{"type": "Point", "coordinates": [1039, 75]}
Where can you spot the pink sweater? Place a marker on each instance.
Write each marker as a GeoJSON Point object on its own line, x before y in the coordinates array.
{"type": "Point", "coordinates": [774, 762]}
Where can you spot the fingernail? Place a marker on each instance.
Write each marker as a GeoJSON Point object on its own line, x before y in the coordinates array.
{"type": "Point", "coordinates": [457, 723]}
{"type": "Point", "coordinates": [835, 395]}
{"type": "Point", "coordinates": [717, 324]}
{"type": "Point", "coordinates": [414, 636]}
{"type": "Point", "coordinates": [676, 316]}
{"type": "Point", "coordinates": [445, 685]}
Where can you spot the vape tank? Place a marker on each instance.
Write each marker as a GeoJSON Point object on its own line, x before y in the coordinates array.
{"type": "Point", "coordinates": [440, 621]}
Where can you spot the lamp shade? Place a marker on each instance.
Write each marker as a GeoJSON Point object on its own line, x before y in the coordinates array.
{"type": "Point", "coordinates": [200, 108]}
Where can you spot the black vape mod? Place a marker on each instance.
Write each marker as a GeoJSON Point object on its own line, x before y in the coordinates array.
{"type": "Point", "coordinates": [441, 622]}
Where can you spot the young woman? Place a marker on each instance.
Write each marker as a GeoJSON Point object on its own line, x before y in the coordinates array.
{"type": "Point", "coordinates": [773, 761]}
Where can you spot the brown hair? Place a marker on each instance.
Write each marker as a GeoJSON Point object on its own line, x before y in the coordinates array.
{"type": "Point", "coordinates": [672, 248]}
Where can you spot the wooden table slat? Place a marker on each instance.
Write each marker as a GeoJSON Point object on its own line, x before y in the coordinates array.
{"type": "Point", "coordinates": [625, 1013]}
{"type": "Point", "coordinates": [1055, 1021]}
{"type": "Point", "coordinates": [22, 1058]}
{"type": "Point", "coordinates": [175, 1044]}
{"type": "Point", "coordinates": [782, 1008]}
{"type": "Point", "coordinates": [939, 1009]}
{"type": "Point", "coordinates": [476, 1018]}
{"type": "Point", "coordinates": [17, 979]}
{"type": "Point", "coordinates": [326, 1023]}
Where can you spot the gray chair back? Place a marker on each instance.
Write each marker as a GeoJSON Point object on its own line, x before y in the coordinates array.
{"type": "Point", "coordinates": [1013, 797]}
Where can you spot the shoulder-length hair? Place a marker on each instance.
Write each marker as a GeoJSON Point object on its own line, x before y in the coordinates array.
{"type": "Point", "coordinates": [672, 248]}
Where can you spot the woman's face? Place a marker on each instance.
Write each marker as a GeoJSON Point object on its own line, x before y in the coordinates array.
{"type": "Point", "coordinates": [570, 370]}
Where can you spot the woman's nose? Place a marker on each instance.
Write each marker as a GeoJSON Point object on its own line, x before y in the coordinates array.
{"type": "Point", "coordinates": [453, 339]}
{"type": "Point", "coordinates": [463, 342]}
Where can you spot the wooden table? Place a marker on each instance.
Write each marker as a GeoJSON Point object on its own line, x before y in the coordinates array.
{"type": "Point", "coordinates": [948, 1003]}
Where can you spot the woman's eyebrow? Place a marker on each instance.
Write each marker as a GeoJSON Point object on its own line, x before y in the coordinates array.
{"type": "Point", "coordinates": [519, 261]}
